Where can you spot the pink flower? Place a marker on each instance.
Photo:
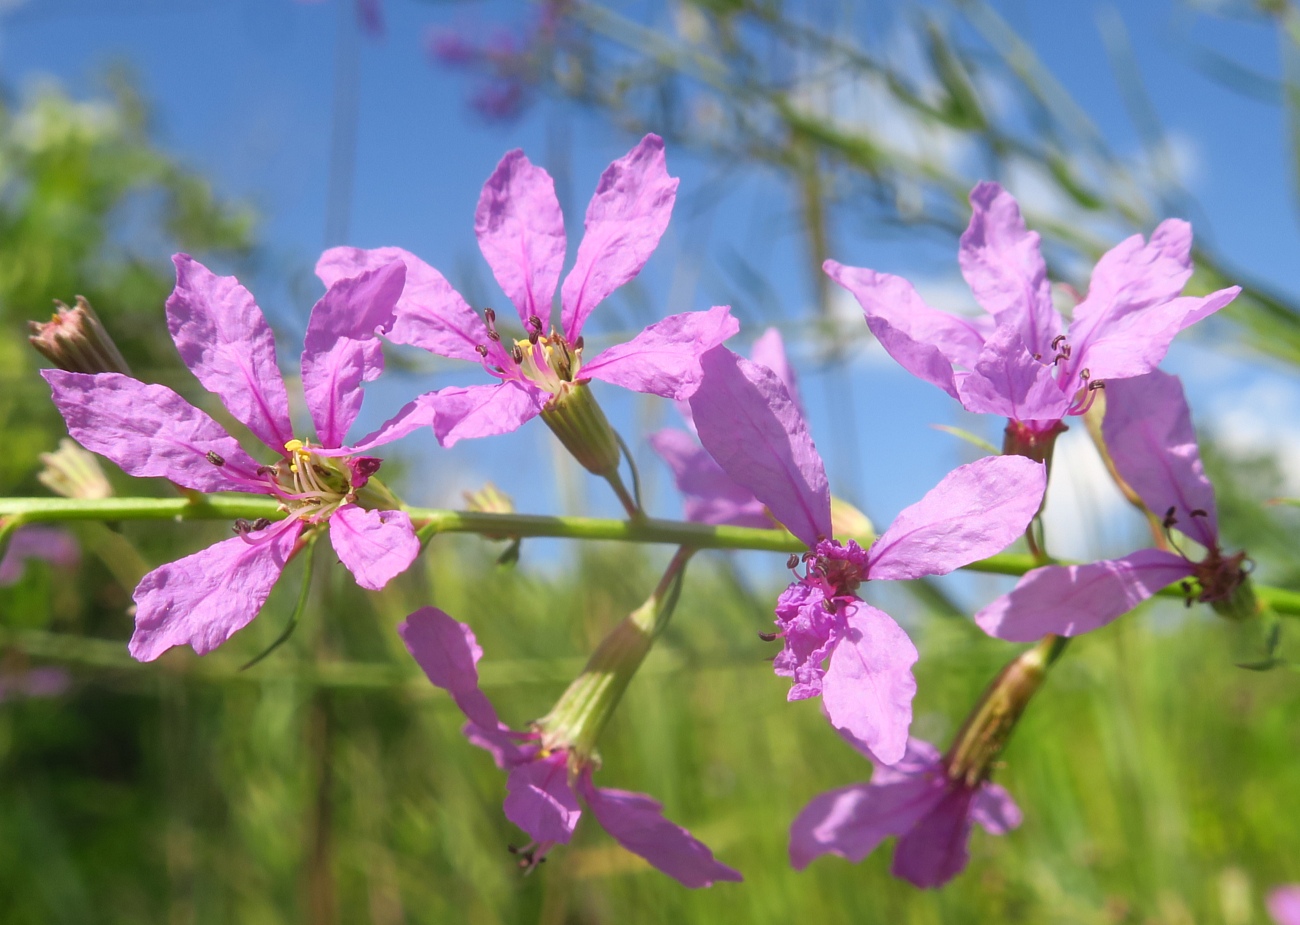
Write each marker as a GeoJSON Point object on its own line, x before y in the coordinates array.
{"type": "Point", "coordinates": [748, 422]}
{"type": "Point", "coordinates": [1020, 360]}
{"type": "Point", "coordinates": [545, 780]}
{"type": "Point", "coordinates": [915, 800]}
{"type": "Point", "coordinates": [1148, 432]}
{"type": "Point", "coordinates": [1284, 904]}
{"type": "Point", "coordinates": [521, 234]}
{"type": "Point", "coordinates": [47, 681]}
{"type": "Point", "coordinates": [149, 430]}
{"type": "Point", "coordinates": [58, 547]}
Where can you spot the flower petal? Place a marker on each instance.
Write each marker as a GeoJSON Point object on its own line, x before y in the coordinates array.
{"type": "Point", "coordinates": [711, 496]}
{"type": "Point", "coordinates": [49, 544]}
{"type": "Point", "coordinates": [150, 431]}
{"type": "Point", "coordinates": [1284, 904]}
{"type": "Point", "coordinates": [868, 688]}
{"type": "Point", "coordinates": [1071, 599]}
{"type": "Point", "coordinates": [925, 342]}
{"type": "Point", "coordinates": [1148, 432]}
{"type": "Point", "coordinates": [1001, 262]}
{"type": "Point", "coordinates": [204, 599]}
{"type": "Point", "coordinates": [430, 313]}
{"type": "Point", "coordinates": [637, 823]}
{"type": "Point", "coordinates": [934, 850]}
{"type": "Point", "coordinates": [483, 410]}
{"type": "Point", "coordinates": [852, 821]}
{"type": "Point", "coordinates": [540, 800]}
{"type": "Point", "coordinates": [521, 234]}
{"type": "Point", "coordinates": [224, 339]}
{"type": "Point", "coordinates": [342, 349]}
{"type": "Point", "coordinates": [977, 510]}
{"type": "Point", "coordinates": [664, 359]}
{"type": "Point", "coordinates": [626, 218]}
{"type": "Point", "coordinates": [749, 424]}
{"type": "Point", "coordinates": [376, 546]}
{"type": "Point", "coordinates": [769, 350]}
{"type": "Point", "coordinates": [809, 631]}
{"type": "Point", "coordinates": [1009, 382]}
{"type": "Point", "coordinates": [995, 810]}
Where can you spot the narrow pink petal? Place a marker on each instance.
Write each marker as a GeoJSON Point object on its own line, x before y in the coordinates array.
{"type": "Point", "coordinates": [224, 339]}
{"type": "Point", "coordinates": [49, 544]}
{"type": "Point", "coordinates": [1008, 381]}
{"type": "Point", "coordinates": [769, 350]}
{"type": "Point", "coordinates": [926, 342]}
{"type": "Point", "coordinates": [483, 410]}
{"type": "Point", "coordinates": [204, 599]}
{"type": "Point", "coordinates": [1071, 599]}
{"type": "Point", "coordinates": [626, 218]}
{"type": "Point", "coordinates": [711, 496]}
{"type": "Point", "coordinates": [1001, 262]}
{"type": "Point", "coordinates": [749, 424]}
{"type": "Point", "coordinates": [977, 510]}
{"type": "Point", "coordinates": [1148, 431]}
{"type": "Point", "coordinates": [920, 757]}
{"type": "Point", "coordinates": [994, 809]}
{"type": "Point", "coordinates": [521, 234]}
{"type": "Point", "coordinates": [852, 821]}
{"type": "Point", "coordinates": [342, 347]}
{"type": "Point", "coordinates": [637, 823]}
{"type": "Point", "coordinates": [376, 546]}
{"type": "Point", "coordinates": [150, 431]}
{"type": "Point", "coordinates": [413, 416]}
{"type": "Point", "coordinates": [448, 653]}
{"type": "Point", "coordinates": [540, 800]}
{"type": "Point", "coordinates": [664, 359]}
{"type": "Point", "coordinates": [430, 313]}
{"type": "Point", "coordinates": [934, 850]}
{"type": "Point", "coordinates": [1284, 904]}
{"type": "Point", "coordinates": [869, 687]}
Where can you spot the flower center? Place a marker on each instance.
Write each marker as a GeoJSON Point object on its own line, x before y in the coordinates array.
{"type": "Point", "coordinates": [312, 487]}
{"type": "Point", "coordinates": [837, 567]}
{"type": "Point", "coordinates": [548, 361]}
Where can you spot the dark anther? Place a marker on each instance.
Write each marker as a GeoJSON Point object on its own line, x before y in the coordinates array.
{"type": "Point", "coordinates": [494, 337]}
{"type": "Point", "coordinates": [1186, 586]}
{"type": "Point", "coordinates": [578, 344]}
{"type": "Point", "coordinates": [1170, 518]}
{"type": "Point", "coordinates": [1056, 341]}
{"type": "Point", "coordinates": [533, 337]}
{"type": "Point", "coordinates": [534, 324]}
{"type": "Point", "coordinates": [517, 353]}
{"type": "Point", "coordinates": [1038, 356]}
{"type": "Point", "coordinates": [215, 458]}
{"type": "Point", "coordinates": [792, 561]}
{"type": "Point", "coordinates": [244, 527]}
{"type": "Point", "coordinates": [481, 350]}
{"type": "Point", "coordinates": [366, 466]}
{"type": "Point", "coordinates": [1094, 386]}
{"type": "Point", "coordinates": [266, 470]}
{"type": "Point", "coordinates": [1197, 512]}
{"type": "Point", "coordinates": [767, 637]}
{"type": "Point", "coordinates": [489, 316]}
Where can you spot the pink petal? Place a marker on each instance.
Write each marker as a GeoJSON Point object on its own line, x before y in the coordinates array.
{"type": "Point", "coordinates": [637, 823]}
{"type": "Point", "coordinates": [769, 350]}
{"type": "Point", "coordinates": [1148, 431]}
{"type": "Point", "coordinates": [626, 218]}
{"type": "Point", "coordinates": [664, 359]}
{"type": "Point", "coordinates": [1284, 905]}
{"type": "Point", "coordinates": [711, 497]}
{"type": "Point", "coordinates": [925, 342]}
{"type": "Point", "coordinates": [342, 349]}
{"type": "Point", "coordinates": [49, 544]}
{"type": "Point", "coordinates": [540, 800]}
{"type": "Point", "coordinates": [376, 546]}
{"type": "Point", "coordinates": [869, 687]}
{"type": "Point", "coordinates": [1002, 264]}
{"type": "Point", "coordinates": [809, 631]}
{"type": "Point", "coordinates": [204, 599]}
{"type": "Point", "coordinates": [430, 314]}
{"type": "Point", "coordinates": [224, 339]}
{"type": "Point", "coordinates": [749, 424]}
{"type": "Point", "coordinates": [150, 431]}
{"type": "Point", "coordinates": [1009, 382]}
{"type": "Point", "coordinates": [521, 234]}
{"type": "Point", "coordinates": [484, 410]}
{"type": "Point", "coordinates": [977, 510]}
{"type": "Point", "coordinates": [934, 850]}
{"type": "Point", "coordinates": [854, 820]}
{"type": "Point", "coordinates": [995, 810]}
{"type": "Point", "coordinates": [1073, 599]}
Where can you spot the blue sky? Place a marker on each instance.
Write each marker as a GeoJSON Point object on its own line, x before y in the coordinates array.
{"type": "Point", "coordinates": [244, 91]}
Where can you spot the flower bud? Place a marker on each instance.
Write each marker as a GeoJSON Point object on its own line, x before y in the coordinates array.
{"type": "Point", "coordinates": [75, 340]}
{"type": "Point", "coordinates": [73, 472]}
{"type": "Point", "coordinates": [574, 416]}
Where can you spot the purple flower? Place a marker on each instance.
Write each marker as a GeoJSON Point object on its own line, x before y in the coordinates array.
{"type": "Point", "coordinates": [545, 780]}
{"type": "Point", "coordinates": [149, 430]}
{"type": "Point", "coordinates": [1284, 904]}
{"type": "Point", "coordinates": [521, 234]}
{"type": "Point", "coordinates": [1148, 432]}
{"type": "Point", "coordinates": [916, 800]}
{"type": "Point", "coordinates": [36, 542]}
{"type": "Point", "coordinates": [748, 422]}
{"type": "Point", "coordinates": [1020, 360]}
{"type": "Point", "coordinates": [49, 681]}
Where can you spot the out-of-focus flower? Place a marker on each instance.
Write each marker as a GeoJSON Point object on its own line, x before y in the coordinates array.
{"type": "Point", "coordinates": [549, 775]}
{"type": "Point", "coordinates": [149, 430]}
{"type": "Point", "coordinates": [1148, 433]}
{"type": "Point", "coordinates": [1020, 361]}
{"type": "Point", "coordinates": [917, 800]}
{"type": "Point", "coordinates": [47, 681]}
{"type": "Point", "coordinates": [748, 422]}
{"type": "Point", "coordinates": [49, 544]}
{"type": "Point", "coordinates": [1284, 904]}
{"type": "Point", "coordinates": [521, 234]}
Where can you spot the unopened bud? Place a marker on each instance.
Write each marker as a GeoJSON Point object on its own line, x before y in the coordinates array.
{"type": "Point", "coordinates": [75, 340]}
{"type": "Point", "coordinates": [73, 472]}
{"type": "Point", "coordinates": [848, 523]}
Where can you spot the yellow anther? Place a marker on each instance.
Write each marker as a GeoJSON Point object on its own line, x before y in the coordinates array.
{"type": "Point", "coordinates": [293, 446]}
